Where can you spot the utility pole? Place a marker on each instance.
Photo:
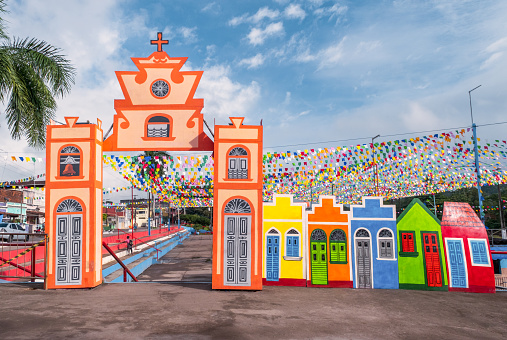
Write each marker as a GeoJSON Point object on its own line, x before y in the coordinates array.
{"type": "Point", "coordinates": [375, 161]}
{"type": "Point", "coordinates": [500, 207]}
{"type": "Point", "coordinates": [149, 213]}
{"type": "Point", "coordinates": [132, 213]}
{"type": "Point", "coordinates": [477, 168]}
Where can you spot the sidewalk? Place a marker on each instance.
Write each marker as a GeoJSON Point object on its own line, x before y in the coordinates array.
{"type": "Point", "coordinates": [188, 262]}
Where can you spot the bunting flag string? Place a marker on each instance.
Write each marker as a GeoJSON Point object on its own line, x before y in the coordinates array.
{"type": "Point", "coordinates": [392, 169]}
{"type": "Point", "coordinates": [399, 168]}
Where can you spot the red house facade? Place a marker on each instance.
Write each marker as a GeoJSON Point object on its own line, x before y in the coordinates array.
{"type": "Point", "coordinates": [466, 247]}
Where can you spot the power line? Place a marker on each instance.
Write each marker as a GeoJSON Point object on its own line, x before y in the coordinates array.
{"type": "Point", "coordinates": [390, 135]}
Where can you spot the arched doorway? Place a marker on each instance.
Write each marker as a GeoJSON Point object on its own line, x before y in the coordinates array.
{"type": "Point", "coordinates": [318, 249]}
{"type": "Point", "coordinates": [363, 258]}
{"type": "Point", "coordinates": [69, 234]}
{"type": "Point", "coordinates": [237, 259]}
{"type": "Point", "coordinates": [272, 255]}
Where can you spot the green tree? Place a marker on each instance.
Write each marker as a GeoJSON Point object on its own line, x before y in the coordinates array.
{"type": "Point", "coordinates": [32, 74]}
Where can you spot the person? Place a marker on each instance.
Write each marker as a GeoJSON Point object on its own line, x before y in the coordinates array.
{"type": "Point", "coordinates": [135, 226]}
{"type": "Point", "coordinates": [129, 245]}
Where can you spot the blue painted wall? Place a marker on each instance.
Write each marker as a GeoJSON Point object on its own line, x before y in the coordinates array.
{"type": "Point", "coordinates": [373, 216]}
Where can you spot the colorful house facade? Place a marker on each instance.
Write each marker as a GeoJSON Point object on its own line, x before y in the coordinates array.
{"type": "Point", "coordinates": [237, 206]}
{"type": "Point", "coordinates": [468, 257]}
{"type": "Point", "coordinates": [284, 242]}
{"type": "Point", "coordinates": [373, 246]}
{"type": "Point", "coordinates": [328, 245]}
{"type": "Point", "coordinates": [421, 261]}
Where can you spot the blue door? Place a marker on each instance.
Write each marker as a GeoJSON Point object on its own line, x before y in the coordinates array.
{"type": "Point", "coordinates": [457, 264]}
{"type": "Point", "coordinates": [272, 257]}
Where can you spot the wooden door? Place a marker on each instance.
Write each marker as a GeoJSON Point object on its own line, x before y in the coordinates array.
{"type": "Point", "coordinates": [237, 250]}
{"type": "Point", "coordinates": [318, 262]}
{"type": "Point", "coordinates": [432, 260]}
{"type": "Point", "coordinates": [272, 256]}
{"type": "Point", "coordinates": [363, 262]}
{"type": "Point", "coordinates": [69, 247]}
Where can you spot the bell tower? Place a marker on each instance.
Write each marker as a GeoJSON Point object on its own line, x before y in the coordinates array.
{"type": "Point", "coordinates": [237, 207]}
{"type": "Point", "coordinates": [74, 204]}
{"type": "Point", "coordinates": [159, 111]}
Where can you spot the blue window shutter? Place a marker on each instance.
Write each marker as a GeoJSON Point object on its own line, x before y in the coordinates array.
{"type": "Point", "coordinates": [292, 247]}
{"type": "Point", "coordinates": [479, 252]}
{"type": "Point", "coordinates": [457, 264]}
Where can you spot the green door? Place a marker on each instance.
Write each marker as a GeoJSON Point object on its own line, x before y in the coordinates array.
{"type": "Point", "coordinates": [318, 249]}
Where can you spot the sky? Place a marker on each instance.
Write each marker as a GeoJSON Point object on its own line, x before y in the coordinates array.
{"type": "Point", "coordinates": [317, 73]}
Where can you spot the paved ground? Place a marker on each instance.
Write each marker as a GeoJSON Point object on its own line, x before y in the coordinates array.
{"type": "Point", "coordinates": [194, 311]}
{"type": "Point", "coordinates": [188, 262]}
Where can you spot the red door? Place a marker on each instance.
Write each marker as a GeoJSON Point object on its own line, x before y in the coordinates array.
{"type": "Point", "coordinates": [432, 259]}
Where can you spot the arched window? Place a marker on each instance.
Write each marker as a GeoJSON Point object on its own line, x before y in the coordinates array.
{"type": "Point", "coordinates": [158, 127]}
{"type": "Point", "coordinates": [362, 233]}
{"type": "Point", "coordinates": [237, 206]}
{"type": "Point", "coordinates": [292, 243]}
{"type": "Point", "coordinates": [70, 161]}
{"type": "Point", "coordinates": [237, 161]}
{"type": "Point", "coordinates": [338, 246]}
{"type": "Point", "coordinates": [385, 244]}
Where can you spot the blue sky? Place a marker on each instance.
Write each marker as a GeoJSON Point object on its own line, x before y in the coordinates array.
{"type": "Point", "coordinates": [313, 71]}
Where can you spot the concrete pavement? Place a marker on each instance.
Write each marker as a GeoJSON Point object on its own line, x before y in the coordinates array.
{"type": "Point", "coordinates": [158, 310]}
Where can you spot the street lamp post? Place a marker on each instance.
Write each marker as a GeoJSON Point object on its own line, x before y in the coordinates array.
{"type": "Point", "coordinates": [477, 168]}
{"type": "Point", "coordinates": [375, 161]}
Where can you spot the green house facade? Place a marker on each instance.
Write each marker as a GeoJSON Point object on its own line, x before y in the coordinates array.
{"type": "Point", "coordinates": [421, 261]}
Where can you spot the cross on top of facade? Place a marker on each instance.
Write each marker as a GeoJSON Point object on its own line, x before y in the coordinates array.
{"type": "Point", "coordinates": [159, 42]}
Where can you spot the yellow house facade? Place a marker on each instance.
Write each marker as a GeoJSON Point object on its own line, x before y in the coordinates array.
{"type": "Point", "coordinates": [284, 250]}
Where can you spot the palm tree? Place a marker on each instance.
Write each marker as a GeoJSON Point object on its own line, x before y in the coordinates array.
{"type": "Point", "coordinates": [32, 74]}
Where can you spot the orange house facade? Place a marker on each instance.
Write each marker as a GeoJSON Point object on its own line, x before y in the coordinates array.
{"type": "Point", "coordinates": [237, 207]}
{"type": "Point", "coordinates": [74, 204]}
{"type": "Point", "coordinates": [328, 245]}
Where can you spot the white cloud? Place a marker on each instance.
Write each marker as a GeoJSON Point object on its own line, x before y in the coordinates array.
{"type": "Point", "coordinates": [254, 61]}
{"type": "Point", "coordinates": [296, 49]}
{"type": "Point", "coordinates": [238, 20]}
{"type": "Point", "coordinates": [225, 97]}
{"type": "Point", "coordinates": [418, 117]}
{"type": "Point", "coordinates": [294, 11]}
{"type": "Point", "coordinates": [259, 16]}
{"type": "Point", "coordinates": [212, 7]}
{"type": "Point", "coordinates": [334, 12]}
{"type": "Point", "coordinates": [258, 35]}
{"type": "Point", "coordinates": [188, 33]}
{"type": "Point", "coordinates": [332, 54]}
{"type": "Point", "coordinates": [263, 13]}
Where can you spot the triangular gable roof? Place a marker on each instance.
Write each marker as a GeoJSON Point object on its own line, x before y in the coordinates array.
{"type": "Point", "coordinates": [460, 214]}
{"type": "Point", "coordinates": [414, 202]}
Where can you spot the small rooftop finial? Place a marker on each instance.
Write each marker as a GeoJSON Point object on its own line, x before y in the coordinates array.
{"type": "Point", "coordinates": [159, 42]}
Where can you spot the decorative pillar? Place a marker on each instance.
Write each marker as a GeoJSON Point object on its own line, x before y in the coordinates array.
{"type": "Point", "coordinates": [74, 204]}
{"type": "Point", "coordinates": [237, 207]}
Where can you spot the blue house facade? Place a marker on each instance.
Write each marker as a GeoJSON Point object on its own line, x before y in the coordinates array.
{"type": "Point", "coordinates": [373, 246]}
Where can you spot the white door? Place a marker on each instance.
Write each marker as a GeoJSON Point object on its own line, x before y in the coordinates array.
{"type": "Point", "coordinates": [69, 233]}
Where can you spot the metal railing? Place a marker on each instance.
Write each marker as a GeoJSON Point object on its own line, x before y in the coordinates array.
{"type": "Point", "coordinates": [125, 268]}
{"type": "Point", "coordinates": [139, 240]}
{"type": "Point", "coordinates": [501, 281]}
{"type": "Point", "coordinates": [495, 237]}
{"type": "Point", "coordinates": [23, 256]}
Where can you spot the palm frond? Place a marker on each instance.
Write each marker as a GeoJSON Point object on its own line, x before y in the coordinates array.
{"type": "Point", "coordinates": [47, 61]}
{"type": "Point", "coordinates": [32, 73]}
{"type": "Point", "coordinates": [3, 35]}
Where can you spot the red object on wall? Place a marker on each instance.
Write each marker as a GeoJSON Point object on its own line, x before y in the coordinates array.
{"type": "Point", "coordinates": [461, 231]}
